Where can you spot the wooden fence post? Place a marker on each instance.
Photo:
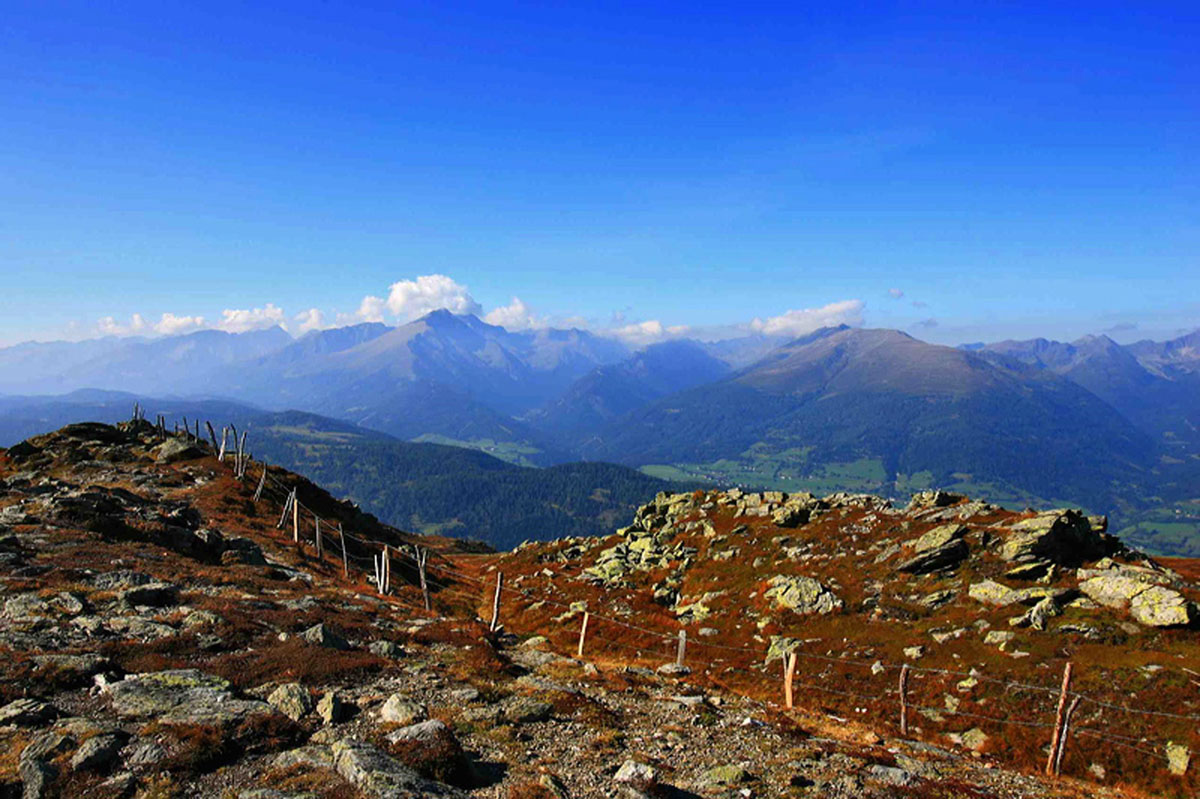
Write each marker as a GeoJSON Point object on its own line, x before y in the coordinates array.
{"type": "Point", "coordinates": [681, 648]}
{"type": "Point", "coordinates": [904, 699]}
{"type": "Point", "coordinates": [212, 435]}
{"type": "Point", "coordinates": [295, 517]}
{"type": "Point", "coordinates": [496, 603]}
{"type": "Point", "coordinates": [224, 438]}
{"type": "Point", "coordinates": [317, 535]}
{"type": "Point", "coordinates": [242, 456]}
{"type": "Point", "coordinates": [387, 569]}
{"type": "Point", "coordinates": [262, 481]}
{"type": "Point", "coordinates": [582, 634]}
{"type": "Point", "coordinates": [789, 678]}
{"type": "Point", "coordinates": [1062, 742]}
{"type": "Point", "coordinates": [1058, 720]}
{"type": "Point", "coordinates": [345, 560]}
{"type": "Point", "coordinates": [287, 506]}
{"type": "Point", "coordinates": [421, 555]}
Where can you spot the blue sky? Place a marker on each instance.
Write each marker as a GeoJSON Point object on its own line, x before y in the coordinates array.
{"type": "Point", "coordinates": [1011, 170]}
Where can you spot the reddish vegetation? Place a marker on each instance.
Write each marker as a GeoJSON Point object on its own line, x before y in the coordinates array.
{"type": "Point", "coordinates": [1142, 668]}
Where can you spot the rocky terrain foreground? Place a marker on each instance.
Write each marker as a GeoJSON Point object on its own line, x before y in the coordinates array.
{"type": "Point", "coordinates": [162, 636]}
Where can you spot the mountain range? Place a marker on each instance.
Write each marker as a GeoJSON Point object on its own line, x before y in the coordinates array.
{"type": "Point", "coordinates": [1113, 427]}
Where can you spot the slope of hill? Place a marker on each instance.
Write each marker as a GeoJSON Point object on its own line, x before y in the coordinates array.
{"type": "Point", "coordinates": [978, 607]}
{"type": "Point", "coordinates": [162, 638]}
{"type": "Point", "coordinates": [418, 486]}
{"type": "Point", "coordinates": [845, 395]}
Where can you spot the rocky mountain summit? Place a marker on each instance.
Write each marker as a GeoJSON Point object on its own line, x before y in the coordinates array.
{"type": "Point", "coordinates": [161, 636]}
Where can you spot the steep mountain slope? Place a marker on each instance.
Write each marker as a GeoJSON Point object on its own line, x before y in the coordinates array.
{"type": "Point", "coordinates": [1177, 356]}
{"type": "Point", "coordinates": [1164, 401]}
{"type": "Point", "coordinates": [846, 394]}
{"type": "Point", "coordinates": [611, 391]}
{"type": "Point", "coordinates": [423, 487]}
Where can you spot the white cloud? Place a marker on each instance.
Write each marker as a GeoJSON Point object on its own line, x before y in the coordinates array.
{"type": "Point", "coordinates": [312, 319]}
{"type": "Point", "coordinates": [172, 325]}
{"type": "Point", "coordinates": [409, 299]}
{"type": "Point", "coordinates": [514, 316]}
{"type": "Point", "coordinates": [168, 325]}
{"type": "Point", "coordinates": [109, 326]}
{"type": "Point", "coordinates": [243, 320]}
{"type": "Point", "coordinates": [895, 294]}
{"type": "Point", "coordinates": [642, 334]}
{"type": "Point", "coordinates": [806, 320]}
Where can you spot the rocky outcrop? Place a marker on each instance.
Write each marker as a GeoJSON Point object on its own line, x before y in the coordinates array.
{"type": "Point", "coordinates": [802, 595]}
{"type": "Point", "coordinates": [182, 696]}
{"type": "Point", "coordinates": [1060, 536]}
{"type": "Point", "coordinates": [1142, 591]}
{"type": "Point", "coordinates": [941, 548]}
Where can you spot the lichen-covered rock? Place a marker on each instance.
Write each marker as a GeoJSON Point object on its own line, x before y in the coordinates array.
{"type": "Point", "coordinates": [790, 516]}
{"type": "Point", "coordinates": [941, 548]}
{"type": "Point", "coordinates": [1178, 758]}
{"type": "Point", "coordinates": [1149, 603]}
{"type": "Point", "coordinates": [292, 700]}
{"type": "Point", "coordinates": [174, 450]}
{"type": "Point", "coordinates": [26, 712]}
{"type": "Point", "coordinates": [802, 594]}
{"type": "Point", "coordinates": [323, 635]}
{"type": "Point", "coordinates": [399, 709]}
{"type": "Point", "coordinates": [1161, 607]}
{"type": "Point", "coordinates": [1060, 536]}
{"type": "Point", "coordinates": [185, 696]}
{"type": "Point", "coordinates": [379, 776]}
{"type": "Point", "coordinates": [1037, 616]}
{"type": "Point", "coordinates": [331, 708]}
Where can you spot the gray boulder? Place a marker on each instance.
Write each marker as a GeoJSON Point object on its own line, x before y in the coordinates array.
{"type": "Point", "coordinates": [941, 548]}
{"type": "Point", "coordinates": [292, 700]}
{"type": "Point", "coordinates": [174, 450]}
{"type": "Point", "coordinates": [802, 594]}
{"type": "Point", "coordinates": [379, 776]}
{"type": "Point", "coordinates": [181, 696]}
{"type": "Point", "coordinates": [323, 635]}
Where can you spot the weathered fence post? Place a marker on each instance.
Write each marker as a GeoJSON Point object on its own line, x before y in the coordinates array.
{"type": "Point", "coordinates": [317, 535]}
{"type": "Point", "coordinates": [224, 437]}
{"type": "Point", "coordinates": [295, 517]}
{"type": "Point", "coordinates": [495, 625]}
{"type": "Point", "coordinates": [241, 472]}
{"type": "Point", "coordinates": [345, 560]}
{"type": "Point", "coordinates": [1062, 742]}
{"type": "Point", "coordinates": [287, 506]}
{"type": "Point", "coordinates": [1058, 719]}
{"type": "Point", "coordinates": [681, 648]}
{"type": "Point", "coordinates": [421, 555]}
{"type": "Point", "coordinates": [387, 569]}
{"type": "Point", "coordinates": [262, 481]}
{"type": "Point", "coordinates": [788, 678]}
{"type": "Point", "coordinates": [212, 434]}
{"type": "Point", "coordinates": [582, 634]}
{"type": "Point", "coordinates": [904, 699]}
